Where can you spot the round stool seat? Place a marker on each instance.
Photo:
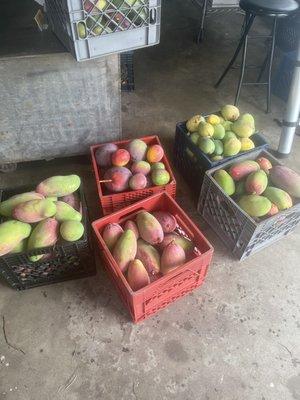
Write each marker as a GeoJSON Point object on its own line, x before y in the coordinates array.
{"type": "Point", "coordinates": [269, 7]}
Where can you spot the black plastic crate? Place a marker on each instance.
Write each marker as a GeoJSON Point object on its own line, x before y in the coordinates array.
{"type": "Point", "coordinates": [284, 75]}
{"type": "Point", "coordinates": [127, 72]}
{"type": "Point", "coordinates": [288, 32]}
{"type": "Point", "coordinates": [193, 163]}
{"type": "Point", "coordinates": [65, 260]}
{"type": "Point", "coordinates": [242, 234]}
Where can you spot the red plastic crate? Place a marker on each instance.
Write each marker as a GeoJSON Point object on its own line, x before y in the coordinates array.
{"type": "Point", "coordinates": [165, 290]}
{"type": "Point", "coordinates": [115, 201]}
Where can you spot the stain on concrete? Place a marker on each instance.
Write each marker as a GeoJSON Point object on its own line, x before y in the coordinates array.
{"type": "Point", "coordinates": [175, 351]}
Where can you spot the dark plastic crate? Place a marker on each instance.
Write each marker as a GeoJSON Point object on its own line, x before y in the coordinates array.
{"type": "Point", "coordinates": [288, 33]}
{"type": "Point", "coordinates": [193, 163]}
{"type": "Point", "coordinates": [242, 234]}
{"type": "Point", "coordinates": [284, 75]}
{"type": "Point", "coordinates": [66, 260]}
{"type": "Point", "coordinates": [127, 72]}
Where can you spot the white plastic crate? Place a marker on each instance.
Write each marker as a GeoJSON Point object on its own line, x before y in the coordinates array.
{"type": "Point", "coordinates": [94, 28]}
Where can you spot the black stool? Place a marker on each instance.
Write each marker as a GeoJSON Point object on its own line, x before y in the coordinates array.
{"type": "Point", "coordinates": [267, 8]}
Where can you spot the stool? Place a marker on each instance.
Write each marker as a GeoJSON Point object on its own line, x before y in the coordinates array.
{"type": "Point", "coordinates": [268, 8]}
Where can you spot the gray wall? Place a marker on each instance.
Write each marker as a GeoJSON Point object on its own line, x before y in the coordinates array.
{"type": "Point", "coordinates": [52, 106]}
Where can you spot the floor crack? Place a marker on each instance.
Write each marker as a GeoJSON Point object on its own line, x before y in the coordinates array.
{"type": "Point", "coordinates": [6, 339]}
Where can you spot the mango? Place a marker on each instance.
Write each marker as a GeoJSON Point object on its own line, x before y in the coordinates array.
{"type": "Point", "coordinates": [120, 158]}
{"type": "Point", "coordinates": [167, 221]}
{"type": "Point", "coordinates": [225, 181]}
{"type": "Point", "coordinates": [155, 153]}
{"type": "Point", "coordinates": [173, 256]}
{"type": "Point", "coordinates": [103, 154]}
{"type": "Point", "coordinates": [222, 120]}
{"type": "Point", "coordinates": [232, 147]}
{"type": "Point", "coordinates": [230, 112]}
{"type": "Point", "coordinates": [239, 188]}
{"type": "Point", "coordinates": [34, 210]}
{"type": "Point", "coordinates": [111, 234]}
{"type": "Point", "coordinates": [157, 165]}
{"type": "Point", "coordinates": [7, 206]}
{"type": "Point", "coordinates": [81, 30]}
{"type": "Point", "coordinates": [273, 211]}
{"type": "Point", "coordinates": [227, 125]}
{"type": "Point", "coordinates": [254, 205]}
{"type": "Point", "coordinates": [73, 200]}
{"type": "Point", "coordinates": [248, 119]}
{"type": "Point", "coordinates": [119, 177]}
{"type": "Point", "coordinates": [219, 148]}
{"type": "Point", "coordinates": [286, 179]}
{"type": "Point", "coordinates": [141, 167]}
{"type": "Point", "coordinates": [160, 177]}
{"type": "Point", "coordinates": [279, 197]}
{"type": "Point", "coordinates": [43, 235]}
{"type": "Point", "coordinates": [64, 212]}
{"type": "Point", "coordinates": [132, 225]}
{"type": "Point", "coordinates": [20, 247]}
{"type": "Point", "coordinates": [138, 182]}
{"type": "Point", "coordinates": [216, 158]}
{"type": "Point", "coordinates": [264, 164]}
{"type": "Point", "coordinates": [137, 149]}
{"type": "Point", "coordinates": [206, 145]}
{"type": "Point", "coordinates": [125, 249]}
{"type": "Point", "coordinates": [71, 230]}
{"type": "Point", "coordinates": [149, 227]}
{"type": "Point", "coordinates": [192, 124]}
{"type": "Point", "coordinates": [219, 132]}
{"type": "Point", "coordinates": [137, 275]}
{"type": "Point", "coordinates": [59, 185]}
{"type": "Point", "coordinates": [11, 234]}
{"type": "Point", "coordinates": [213, 119]}
{"type": "Point", "coordinates": [149, 256]}
{"type": "Point", "coordinates": [241, 170]}
{"type": "Point", "coordinates": [206, 130]}
{"type": "Point", "coordinates": [229, 135]}
{"type": "Point", "coordinates": [247, 144]}
{"type": "Point", "coordinates": [242, 129]}
{"type": "Point", "coordinates": [185, 243]}
{"type": "Point", "coordinates": [195, 137]}
{"type": "Point", "coordinates": [256, 182]}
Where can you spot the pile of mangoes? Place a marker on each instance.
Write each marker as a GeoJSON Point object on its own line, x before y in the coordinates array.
{"type": "Point", "coordinates": [260, 189]}
{"type": "Point", "coordinates": [37, 219]}
{"type": "Point", "coordinates": [222, 135]}
{"type": "Point", "coordinates": [135, 167]}
{"type": "Point", "coordinates": [148, 247]}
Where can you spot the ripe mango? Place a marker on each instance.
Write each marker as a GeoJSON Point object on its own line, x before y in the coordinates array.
{"type": "Point", "coordinates": [239, 188]}
{"type": "Point", "coordinates": [192, 124]}
{"type": "Point", "coordinates": [205, 129]}
{"type": "Point", "coordinates": [137, 149]}
{"type": "Point", "coordinates": [81, 30]}
{"type": "Point", "coordinates": [216, 158]}
{"type": "Point", "coordinates": [219, 148]}
{"type": "Point", "coordinates": [242, 129]}
{"type": "Point", "coordinates": [185, 243]}
{"type": "Point", "coordinates": [34, 210]}
{"type": "Point", "coordinates": [219, 132]}
{"type": "Point", "coordinates": [141, 167]}
{"type": "Point", "coordinates": [155, 153]}
{"type": "Point", "coordinates": [7, 206]}
{"type": "Point", "coordinates": [273, 211]}
{"type": "Point", "coordinates": [173, 256]}
{"type": "Point", "coordinates": [248, 119]}
{"type": "Point", "coordinates": [138, 181]}
{"type": "Point", "coordinates": [111, 233]}
{"type": "Point", "coordinates": [230, 112]}
{"type": "Point", "coordinates": [11, 234]}
{"type": "Point", "coordinates": [71, 230]}
{"type": "Point", "coordinates": [119, 177]}
{"type": "Point", "coordinates": [279, 197]}
{"type": "Point", "coordinates": [167, 221]}
{"type": "Point", "coordinates": [43, 235]}
{"type": "Point", "coordinates": [125, 249]}
{"type": "Point", "coordinates": [149, 227]}
{"type": "Point", "coordinates": [120, 158]}
{"type": "Point", "coordinates": [157, 165]}
{"type": "Point", "coordinates": [103, 154]}
{"type": "Point", "coordinates": [149, 256]}
{"type": "Point", "coordinates": [264, 164]}
{"type": "Point", "coordinates": [256, 182]}
{"type": "Point", "coordinates": [232, 147]}
{"type": "Point", "coordinates": [241, 170]}
{"type": "Point", "coordinates": [137, 275]}
{"type": "Point", "coordinates": [227, 125]}
{"type": "Point", "coordinates": [206, 145]}
{"type": "Point", "coordinates": [20, 247]}
{"type": "Point", "coordinates": [160, 177]}
{"type": "Point", "coordinates": [72, 199]}
{"type": "Point", "coordinates": [195, 137]}
{"type": "Point", "coordinates": [132, 225]}
{"type": "Point", "coordinates": [229, 135]}
{"type": "Point", "coordinates": [286, 179]}
{"type": "Point", "coordinates": [213, 119]}
{"type": "Point", "coordinates": [59, 185]}
{"type": "Point", "coordinates": [247, 144]}
{"type": "Point", "coordinates": [225, 181]}
{"type": "Point", "coordinates": [64, 212]}
{"type": "Point", "coordinates": [254, 205]}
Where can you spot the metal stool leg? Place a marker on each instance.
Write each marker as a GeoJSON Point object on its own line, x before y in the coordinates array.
{"type": "Point", "coordinates": [203, 14]}
{"type": "Point", "coordinates": [242, 71]}
{"type": "Point", "coordinates": [249, 19]}
{"type": "Point", "coordinates": [271, 64]}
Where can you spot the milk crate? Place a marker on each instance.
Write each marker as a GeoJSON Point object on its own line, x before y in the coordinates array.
{"type": "Point", "coordinates": [94, 28]}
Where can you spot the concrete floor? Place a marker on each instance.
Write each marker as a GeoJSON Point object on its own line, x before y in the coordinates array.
{"type": "Point", "coordinates": [237, 337]}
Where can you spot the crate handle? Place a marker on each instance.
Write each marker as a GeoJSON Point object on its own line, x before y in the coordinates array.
{"type": "Point", "coordinates": [186, 229]}
{"type": "Point", "coordinates": [153, 16]}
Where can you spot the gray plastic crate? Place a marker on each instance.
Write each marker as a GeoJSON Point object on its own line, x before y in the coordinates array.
{"type": "Point", "coordinates": [93, 28]}
{"type": "Point", "coordinates": [242, 234]}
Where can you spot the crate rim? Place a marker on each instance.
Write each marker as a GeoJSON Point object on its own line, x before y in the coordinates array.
{"type": "Point", "coordinates": [125, 141]}
{"type": "Point", "coordinates": [164, 278]}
